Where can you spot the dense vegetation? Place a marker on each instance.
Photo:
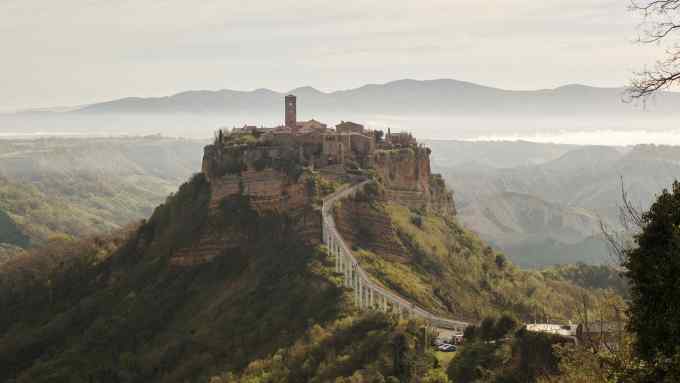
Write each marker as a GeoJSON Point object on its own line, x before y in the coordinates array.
{"type": "Point", "coordinates": [113, 309]}
{"type": "Point", "coordinates": [653, 268]}
{"type": "Point", "coordinates": [451, 271]}
{"type": "Point", "coordinates": [647, 350]}
{"type": "Point", "coordinates": [500, 351]}
{"type": "Point", "coordinates": [127, 315]}
{"type": "Point", "coordinates": [590, 277]}
{"type": "Point", "coordinates": [81, 187]}
{"type": "Point", "coordinates": [10, 233]}
{"type": "Point", "coordinates": [362, 348]}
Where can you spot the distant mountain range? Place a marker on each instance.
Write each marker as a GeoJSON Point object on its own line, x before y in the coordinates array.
{"type": "Point", "coordinates": [547, 208]}
{"type": "Point", "coordinates": [403, 97]}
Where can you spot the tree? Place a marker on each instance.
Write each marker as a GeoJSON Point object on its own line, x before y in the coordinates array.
{"type": "Point", "coordinates": [653, 268]}
{"type": "Point", "coordinates": [487, 328]}
{"type": "Point", "coordinates": [661, 19]}
{"type": "Point", "coordinates": [500, 261]}
{"type": "Point", "coordinates": [505, 325]}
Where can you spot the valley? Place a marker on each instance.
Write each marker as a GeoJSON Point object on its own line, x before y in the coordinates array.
{"type": "Point", "coordinates": [76, 187]}
{"type": "Point", "coordinates": [340, 192]}
{"type": "Point", "coordinates": [231, 277]}
{"type": "Point", "coordinates": [545, 206]}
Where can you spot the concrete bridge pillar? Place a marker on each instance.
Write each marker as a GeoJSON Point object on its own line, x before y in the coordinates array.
{"type": "Point", "coordinates": [358, 287]}
{"type": "Point", "coordinates": [362, 294]}
{"type": "Point", "coordinates": [359, 295]}
{"type": "Point", "coordinates": [338, 256]}
{"type": "Point", "coordinates": [337, 261]}
{"type": "Point", "coordinates": [350, 276]}
{"type": "Point", "coordinates": [355, 286]}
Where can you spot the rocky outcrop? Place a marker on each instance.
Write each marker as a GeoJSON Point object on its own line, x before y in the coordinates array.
{"type": "Point", "coordinates": [270, 176]}
{"type": "Point", "coordinates": [208, 247]}
{"type": "Point", "coordinates": [269, 181]}
{"type": "Point", "coordinates": [406, 176]}
{"type": "Point", "coordinates": [363, 224]}
{"type": "Point", "coordinates": [441, 197]}
{"type": "Point", "coordinates": [268, 189]}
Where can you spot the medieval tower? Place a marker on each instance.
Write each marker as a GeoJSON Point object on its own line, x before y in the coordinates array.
{"type": "Point", "coordinates": [291, 111]}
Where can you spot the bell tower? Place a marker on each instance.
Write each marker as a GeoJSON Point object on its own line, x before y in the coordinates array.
{"type": "Point", "coordinates": [291, 111]}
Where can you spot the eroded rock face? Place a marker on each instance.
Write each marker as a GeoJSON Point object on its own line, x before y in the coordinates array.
{"type": "Point", "coordinates": [441, 197]}
{"type": "Point", "coordinates": [271, 183]}
{"type": "Point", "coordinates": [406, 176]}
{"type": "Point", "coordinates": [363, 225]}
{"type": "Point", "coordinates": [270, 176]}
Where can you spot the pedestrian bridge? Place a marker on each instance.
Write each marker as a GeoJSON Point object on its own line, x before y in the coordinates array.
{"type": "Point", "coordinates": [369, 295]}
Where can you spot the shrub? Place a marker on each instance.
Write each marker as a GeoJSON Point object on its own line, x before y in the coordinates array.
{"type": "Point", "coordinates": [500, 261]}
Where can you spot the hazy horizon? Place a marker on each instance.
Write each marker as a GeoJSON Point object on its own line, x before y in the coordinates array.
{"type": "Point", "coordinates": [592, 131]}
{"type": "Point", "coordinates": [108, 51]}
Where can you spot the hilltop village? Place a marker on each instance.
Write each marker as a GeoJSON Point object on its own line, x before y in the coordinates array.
{"type": "Point", "coordinates": [349, 144]}
{"type": "Point", "coordinates": [265, 163]}
{"type": "Point", "coordinates": [281, 169]}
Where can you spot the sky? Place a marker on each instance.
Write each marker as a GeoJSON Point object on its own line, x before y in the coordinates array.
{"type": "Point", "coordinates": [73, 52]}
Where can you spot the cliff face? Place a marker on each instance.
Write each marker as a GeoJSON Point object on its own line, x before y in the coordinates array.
{"type": "Point", "coordinates": [267, 181]}
{"type": "Point", "coordinates": [270, 176]}
{"type": "Point", "coordinates": [406, 176]}
{"type": "Point", "coordinates": [271, 180]}
{"type": "Point", "coordinates": [366, 225]}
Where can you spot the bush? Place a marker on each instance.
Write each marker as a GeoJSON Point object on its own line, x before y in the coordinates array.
{"type": "Point", "coordinates": [501, 261]}
{"type": "Point", "coordinates": [505, 325]}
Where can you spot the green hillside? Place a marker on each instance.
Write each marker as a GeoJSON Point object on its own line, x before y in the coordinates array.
{"type": "Point", "coordinates": [451, 271]}
{"type": "Point", "coordinates": [10, 233]}
{"type": "Point", "coordinates": [114, 309]}
{"type": "Point", "coordinates": [81, 187]}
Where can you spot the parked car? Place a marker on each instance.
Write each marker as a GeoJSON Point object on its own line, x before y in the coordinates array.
{"type": "Point", "coordinates": [447, 348]}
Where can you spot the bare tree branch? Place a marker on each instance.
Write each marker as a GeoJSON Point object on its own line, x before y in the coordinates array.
{"type": "Point", "coordinates": [661, 19]}
{"type": "Point", "coordinates": [630, 218]}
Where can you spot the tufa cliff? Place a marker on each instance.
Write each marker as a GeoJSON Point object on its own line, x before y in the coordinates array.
{"type": "Point", "coordinates": [406, 176]}
{"type": "Point", "coordinates": [279, 179]}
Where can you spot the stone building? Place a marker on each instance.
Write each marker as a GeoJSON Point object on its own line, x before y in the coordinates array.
{"type": "Point", "coordinates": [400, 139]}
{"type": "Point", "coordinates": [349, 127]}
{"type": "Point", "coordinates": [318, 145]}
{"type": "Point", "coordinates": [291, 111]}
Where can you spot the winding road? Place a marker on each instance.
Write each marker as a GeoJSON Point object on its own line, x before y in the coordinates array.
{"type": "Point", "coordinates": [367, 293]}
